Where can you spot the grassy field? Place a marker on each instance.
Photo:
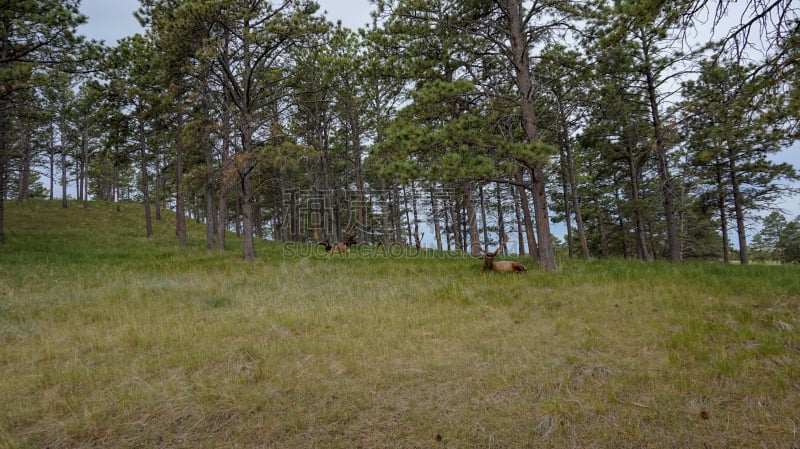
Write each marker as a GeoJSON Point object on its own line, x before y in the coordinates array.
{"type": "Point", "coordinates": [111, 340]}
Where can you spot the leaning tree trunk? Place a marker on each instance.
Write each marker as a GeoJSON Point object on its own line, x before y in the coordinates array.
{"type": "Point", "coordinates": [576, 204]}
{"type": "Point", "coordinates": [522, 67]}
{"type": "Point", "coordinates": [663, 163]}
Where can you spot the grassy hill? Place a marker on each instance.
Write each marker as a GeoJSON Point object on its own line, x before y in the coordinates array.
{"type": "Point", "coordinates": [112, 340]}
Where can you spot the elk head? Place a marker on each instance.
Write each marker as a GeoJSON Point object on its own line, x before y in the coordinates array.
{"type": "Point", "coordinates": [502, 266]}
{"type": "Point", "coordinates": [326, 243]}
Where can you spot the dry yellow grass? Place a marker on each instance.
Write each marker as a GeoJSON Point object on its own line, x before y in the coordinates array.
{"type": "Point", "coordinates": [112, 341]}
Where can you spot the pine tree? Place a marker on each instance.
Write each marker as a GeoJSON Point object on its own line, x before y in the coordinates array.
{"type": "Point", "coordinates": [34, 34]}
{"type": "Point", "coordinates": [730, 123]}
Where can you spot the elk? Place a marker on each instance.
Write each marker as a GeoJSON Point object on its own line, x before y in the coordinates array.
{"type": "Point", "coordinates": [340, 247]}
{"type": "Point", "coordinates": [501, 266]}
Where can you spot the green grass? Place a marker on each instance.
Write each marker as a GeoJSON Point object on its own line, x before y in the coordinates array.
{"type": "Point", "coordinates": [111, 340]}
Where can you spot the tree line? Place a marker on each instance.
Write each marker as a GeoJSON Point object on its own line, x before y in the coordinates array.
{"type": "Point", "coordinates": [614, 117]}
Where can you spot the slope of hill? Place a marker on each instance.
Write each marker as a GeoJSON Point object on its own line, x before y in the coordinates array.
{"type": "Point", "coordinates": [113, 340]}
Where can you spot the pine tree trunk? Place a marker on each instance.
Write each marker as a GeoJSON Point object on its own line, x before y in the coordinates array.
{"type": "Point", "coordinates": [386, 215]}
{"type": "Point", "coordinates": [576, 204]}
{"type": "Point", "coordinates": [115, 188]}
{"type": "Point", "coordinates": [567, 209]}
{"type": "Point", "coordinates": [246, 192]}
{"type": "Point", "coordinates": [398, 222]}
{"type": "Point", "coordinates": [248, 241]}
{"type": "Point", "coordinates": [410, 241]}
{"type": "Point", "coordinates": [52, 162]}
{"type": "Point", "coordinates": [526, 215]}
{"type": "Point", "coordinates": [85, 167]}
{"type": "Point", "coordinates": [484, 225]}
{"type": "Point", "coordinates": [475, 243]}
{"type": "Point", "coordinates": [207, 149]}
{"type": "Point", "coordinates": [437, 228]}
{"type": "Point", "coordinates": [601, 229]}
{"type": "Point", "coordinates": [3, 150]}
{"type": "Point", "coordinates": [23, 193]}
{"type": "Point", "coordinates": [738, 208]}
{"type": "Point", "coordinates": [723, 216]}
{"type": "Point", "coordinates": [521, 63]}
{"type": "Point", "coordinates": [641, 241]}
{"type": "Point", "coordinates": [415, 214]}
{"type": "Point", "coordinates": [663, 163]}
{"type": "Point", "coordinates": [500, 217]}
{"type": "Point", "coordinates": [157, 188]}
{"type": "Point", "coordinates": [446, 217]}
{"type": "Point", "coordinates": [63, 128]}
{"type": "Point", "coordinates": [518, 216]}
{"type": "Point", "coordinates": [361, 198]}
{"type": "Point", "coordinates": [622, 229]}
{"type": "Point", "coordinates": [222, 195]}
{"type": "Point", "coordinates": [208, 187]}
{"type": "Point", "coordinates": [180, 212]}
{"type": "Point", "coordinates": [145, 180]}
{"type": "Point", "coordinates": [454, 226]}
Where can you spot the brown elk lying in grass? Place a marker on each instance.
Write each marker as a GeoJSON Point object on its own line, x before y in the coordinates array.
{"type": "Point", "coordinates": [340, 247]}
{"type": "Point", "coordinates": [501, 266]}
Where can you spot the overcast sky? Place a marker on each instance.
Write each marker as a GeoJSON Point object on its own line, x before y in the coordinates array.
{"type": "Point", "coordinates": [110, 20]}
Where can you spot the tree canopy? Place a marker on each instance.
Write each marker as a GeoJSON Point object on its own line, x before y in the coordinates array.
{"type": "Point", "coordinates": [473, 120]}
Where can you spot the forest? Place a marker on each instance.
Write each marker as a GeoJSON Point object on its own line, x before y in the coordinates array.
{"type": "Point", "coordinates": [646, 128]}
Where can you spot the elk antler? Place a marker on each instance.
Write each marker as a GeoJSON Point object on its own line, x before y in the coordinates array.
{"type": "Point", "coordinates": [418, 239]}
{"type": "Point", "coordinates": [500, 246]}
{"type": "Point", "coordinates": [351, 237]}
{"type": "Point", "coordinates": [493, 254]}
